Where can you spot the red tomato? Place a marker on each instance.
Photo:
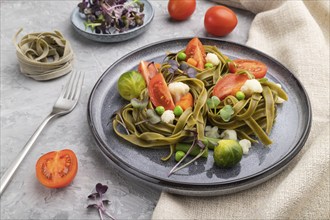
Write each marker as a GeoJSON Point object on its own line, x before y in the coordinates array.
{"type": "Point", "coordinates": [159, 92]}
{"type": "Point", "coordinates": [148, 70]}
{"type": "Point", "coordinates": [219, 20]}
{"type": "Point", "coordinates": [232, 67]}
{"type": "Point", "coordinates": [229, 85]}
{"type": "Point", "coordinates": [181, 9]}
{"type": "Point", "coordinates": [257, 68]}
{"type": "Point", "coordinates": [196, 51]}
{"type": "Point", "coordinates": [57, 169]}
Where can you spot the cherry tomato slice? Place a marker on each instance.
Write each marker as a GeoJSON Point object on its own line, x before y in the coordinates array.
{"type": "Point", "coordinates": [148, 70]}
{"type": "Point", "coordinates": [57, 169]}
{"type": "Point", "coordinates": [159, 92]}
{"type": "Point", "coordinates": [196, 51]}
{"type": "Point", "coordinates": [257, 68]}
{"type": "Point", "coordinates": [229, 85]}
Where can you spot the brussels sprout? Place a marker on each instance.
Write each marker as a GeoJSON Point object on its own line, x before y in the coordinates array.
{"type": "Point", "coordinates": [130, 85]}
{"type": "Point", "coordinates": [228, 153]}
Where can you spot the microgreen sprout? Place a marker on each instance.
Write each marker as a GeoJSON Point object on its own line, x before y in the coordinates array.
{"type": "Point", "coordinates": [99, 201]}
{"type": "Point", "coordinates": [226, 112]}
{"type": "Point", "coordinates": [197, 142]}
{"type": "Point", "coordinates": [213, 103]}
{"type": "Point", "coordinates": [139, 104]}
{"type": "Point", "coordinates": [111, 16]}
{"type": "Point", "coordinates": [120, 121]}
{"type": "Point", "coordinates": [212, 132]}
{"type": "Point", "coordinates": [152, 117]}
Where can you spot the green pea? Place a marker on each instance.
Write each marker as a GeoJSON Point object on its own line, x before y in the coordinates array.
{"type": "Point", "coordinates": [240, 95]}
{"type": "Point", "coordinates": [160, 110]}
{"type": "Point", "coordinates": [179, 155]}
{"type": "Point", "coordinates": [178, 110]}
{"type": "Point", "coordinates": [208, 65]}
{"type": "Point", "coordinates": [182, 56]}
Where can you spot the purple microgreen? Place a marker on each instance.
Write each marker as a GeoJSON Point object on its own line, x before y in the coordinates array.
{"type": "Point", "coordinates": [195, 142]}
{"type": "Point", "coordinates": [101, 189]}
{"type": "Point", "coordinates": [183, 66]}
{"type": "Point", "coordinates": [93, 195]}
{"type": "Point", "coordinates": [191, 72]}
{"type": "Point", "coordinates": [99, 202]}
{"type": "Point", "coordinates": [111, 16]}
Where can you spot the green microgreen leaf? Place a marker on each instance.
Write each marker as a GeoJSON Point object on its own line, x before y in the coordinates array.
{"type": "Point", "coordinates": [226, 112]}
{"type": "Point", "coordinates": [213, 102]}
{"type": "Point", "coordinates": [212, 132]}
{"type": "Point", "coordinates": [153, 117]}
{"type": "Point", "coordinates": [139, 104]}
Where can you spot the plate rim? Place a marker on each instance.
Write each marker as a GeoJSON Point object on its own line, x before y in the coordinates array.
{"type": "Point", "coordinates": [262, 176]}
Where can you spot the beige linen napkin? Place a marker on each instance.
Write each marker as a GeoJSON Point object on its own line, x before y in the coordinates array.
{"type": "Point", "coordinates": [296, 33]}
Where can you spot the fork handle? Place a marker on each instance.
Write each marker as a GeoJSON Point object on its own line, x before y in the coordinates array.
{"type": "Point", "coordinates": [5, 179]}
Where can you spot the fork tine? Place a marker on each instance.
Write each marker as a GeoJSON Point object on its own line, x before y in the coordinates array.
{"type": "Point", "coordinates": [77, 91]}
{"type": "Point", "coordinates": [75, 86]}
{"type": "Point", "coordinates": [70, 85]}
{"type": "Point", "coordinates": [65, 88]}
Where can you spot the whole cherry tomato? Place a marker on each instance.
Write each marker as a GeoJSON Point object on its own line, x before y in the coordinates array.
{"type": "Point", "coordinates": [220, 20]}
{"type": "Point", "coordinates": [181, 9]}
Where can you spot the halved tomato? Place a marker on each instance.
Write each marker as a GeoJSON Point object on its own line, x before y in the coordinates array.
{"type": "Point", "coordinates": [229, 85]}
{"type": "Point", "coordinates": [57, 169]}
{"type": "Point", "coordinates": [257, 68]}
{"type": "Point", "coordinates": [196, 51]}
{"type": "Point", "coordinates": [159, 93]}
{"type": "Point", "coordinates": [148, 70]}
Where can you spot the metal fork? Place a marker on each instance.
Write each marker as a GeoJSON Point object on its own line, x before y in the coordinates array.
{"type": "Point", "coordinates": [65, 104]}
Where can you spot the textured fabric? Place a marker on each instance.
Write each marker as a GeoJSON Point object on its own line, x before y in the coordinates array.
{"type": "Point", "coordinates": [296, 33]}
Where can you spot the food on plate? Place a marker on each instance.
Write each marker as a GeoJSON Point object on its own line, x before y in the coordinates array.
{"type": "Point", "coordinates": [112, 16]}
{"type": "Point", "coordinates": [130, 85]}
{"type": "Point", "coordinates": [57, 169]}
{"type": "Point", "coordinates": [257, 68]}
{"type": "Point", "coordinates": [181, 9]}
{"type": "Point", "coordinates": [220, 20]}
{"type": "Point", "coordinates": [227, 153]}
{"type": "Point", "coordinates": [186, 104]}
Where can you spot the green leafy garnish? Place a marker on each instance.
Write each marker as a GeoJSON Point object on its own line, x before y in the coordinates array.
{"type": "Point", "coordinates": [153, 117]}
{"type": "Point", "coordinates": [139, 104]}
{"type": "Point", "coordinates": [226, 112]}
{"type": "Point", "coordinates": [212, 132]}
{"type": "Point", "coordinates": [213, 103]}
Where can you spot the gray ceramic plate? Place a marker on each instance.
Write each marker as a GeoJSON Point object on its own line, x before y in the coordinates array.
{"type": "Point", "coordinates": [202, 178]}
{"type": "Point", "coordinates": [77, 20]}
